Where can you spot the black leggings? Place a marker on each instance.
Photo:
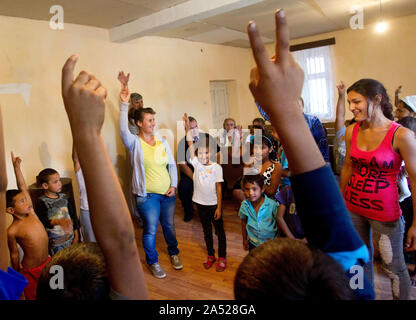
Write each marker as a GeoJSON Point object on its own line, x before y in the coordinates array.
{"type": "Point", "coordinates": [206, 215]}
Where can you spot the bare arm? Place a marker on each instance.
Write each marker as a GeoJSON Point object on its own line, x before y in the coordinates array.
{"type": "Point", "coordinates": [340, 116]}
{"type": "Point", "coordinates": [282, 223]}
{"type": "Point", "coordinates": [4, 255]}
{"type": "Point", "coordinates": [188, 137]}
{"type": "Point", "coordinates": [14, 251]}
{"type": "Point", "coordinates": [276, 85]}
{"type": "Point", "coordinates": [396, 96]}
{"type": "Point", "coordinates": [406, 143]}
{"type": "Point", "coordinates": [183, 167]}
{"type": "Point", "coordinates": [20, 180]}
{"type": "Point", "coordinates": [347, 169]}
{"type": "Point", "coordinates": [218, 211]}
{"type": "Point", "coordinates": [275, 180]}
{"type": "Point", "coordinates": [84, 103]}
{"type": "Point", "coordinates": [244, 233]}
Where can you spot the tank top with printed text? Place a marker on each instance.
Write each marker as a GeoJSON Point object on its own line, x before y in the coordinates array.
{"type": "Point", "coordinates": [371, 190]}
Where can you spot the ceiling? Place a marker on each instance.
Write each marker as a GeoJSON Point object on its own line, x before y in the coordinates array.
{"type": "Point", "coordinates": [192, 20]}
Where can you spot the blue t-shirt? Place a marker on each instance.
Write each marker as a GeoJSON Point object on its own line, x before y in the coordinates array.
{"type": "Point", "coordinates": [285, 197]}
{"type": "Point", "coordinates": [261, 226]}
{"type": "Point", "coordinates": [12, 284]}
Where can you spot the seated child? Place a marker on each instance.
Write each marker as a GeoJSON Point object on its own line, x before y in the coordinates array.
{"type": "Point", "coordinates": [285, 268]}
{"type": "Point", "coordinates": [288, 220]}
{"type": "Point", "coordinates": [257, 212]}
{"type": "Point", "coordinates": [207, 179]}
{"type": "Point", "coordinates": [27, 231]}
{"type": "Point", "coordinates": [115, 270]}
{"type": "Point", "coordinates": [86, 229]}
{"type": "Point", "coordinates": [56, 212]}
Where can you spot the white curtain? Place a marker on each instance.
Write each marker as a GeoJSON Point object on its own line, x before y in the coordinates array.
{"type": "Point", "coordinates": [318, 88]}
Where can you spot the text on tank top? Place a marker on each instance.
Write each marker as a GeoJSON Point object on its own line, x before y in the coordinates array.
{"type": "Point", "coordinates": [371, 190]}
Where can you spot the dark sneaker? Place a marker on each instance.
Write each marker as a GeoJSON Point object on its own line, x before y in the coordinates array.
{"type": "Point", "coordinates": [176, 262]}
{"type": "Point", "coordinates": [157, 270]}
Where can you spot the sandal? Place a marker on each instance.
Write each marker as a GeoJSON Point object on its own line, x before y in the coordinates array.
{"type": "Point", "coordinates": [221, 265]}
{"type": "Point", "coordinates": [209, 262]}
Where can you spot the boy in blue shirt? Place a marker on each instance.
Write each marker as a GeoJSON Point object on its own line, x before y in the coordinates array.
{"type": "Point", "coordinates": [257, 212]}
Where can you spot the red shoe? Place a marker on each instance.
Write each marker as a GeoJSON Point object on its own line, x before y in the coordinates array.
{"type": "Point", "coordinates": [209, 262]}
{"type": "Point", "coordinates": [221, 265]}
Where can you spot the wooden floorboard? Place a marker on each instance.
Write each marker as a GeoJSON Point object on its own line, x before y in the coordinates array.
{"type": "Point", "coordinates": [193, 282]}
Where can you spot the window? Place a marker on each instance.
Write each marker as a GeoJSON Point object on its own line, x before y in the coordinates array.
{"type": "Point", "coordinates": [318, 88]}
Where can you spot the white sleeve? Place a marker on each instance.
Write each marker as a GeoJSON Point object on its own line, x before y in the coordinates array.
{"type": "Point", "coordinates": [218, 174]}
{"type": "Point", "coordinates": [194, 161]}
{"type": "Point", "coordinates": [404, 188]}
{"type": "Point", "coordinates": [126, 136]}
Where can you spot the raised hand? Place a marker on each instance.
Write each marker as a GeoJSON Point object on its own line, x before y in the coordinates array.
{"type": "Point", "coordinates": [398, 90]}
{"type": "Point", "coordinates": [186, 122]}
{"type": "Point", "coordinates": [124, 79]}
{"type": "Point", "coordinates": [341, 89]}
{"type": "Point", "coordinates": [16, 161]}
{"type": "Point", "coordinates": [124, 94]}
{"type": "Point", "coordinates": [83, 99]}
{"type": "Point", "coordinates": [275, 83]}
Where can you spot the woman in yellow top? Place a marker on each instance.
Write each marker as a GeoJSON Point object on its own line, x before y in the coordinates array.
{"type": "Point", "coordinates": [154, 182]}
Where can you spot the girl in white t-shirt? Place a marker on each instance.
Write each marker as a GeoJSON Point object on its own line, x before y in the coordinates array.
{"type": "Point", "coordinates": [207, 196]}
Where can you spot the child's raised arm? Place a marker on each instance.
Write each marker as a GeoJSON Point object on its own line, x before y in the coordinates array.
{"type": "Point", "coordinates": [188, 137]}
{"type": "Point", "coordinates": [84, 100]}
{"type": "Point", "coordinates": [20, 180]}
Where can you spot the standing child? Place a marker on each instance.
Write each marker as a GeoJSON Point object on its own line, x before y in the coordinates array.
{"type": "Point", "coordinates": [207, 196]}
{"type": "Point", "coordinates": [85, 221]}
{"type": "Point", "coordinates": [257, 212]}
{"type": "Point", "coordinates": [288, 220]}
{"type": "Point", "coordinates": [27, 231]}
{"type": "Point", "coordinates": [56, 212]}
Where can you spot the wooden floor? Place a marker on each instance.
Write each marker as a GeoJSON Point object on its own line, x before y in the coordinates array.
{"type": "Point", "coordinates": [193, 282]}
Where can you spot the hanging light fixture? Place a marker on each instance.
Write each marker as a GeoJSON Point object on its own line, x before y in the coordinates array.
{"type": "Point", "coordinates": [381, 26]}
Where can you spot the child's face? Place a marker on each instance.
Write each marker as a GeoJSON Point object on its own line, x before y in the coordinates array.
{"type": "Point", "coordinates": [401, 111]}
{"type": "Point", "coordinates": [261, 152]}
{"type": "Point", "coordinates": [54, 183]}
{"type": "Point", "coordinates": [21, 204]}
{"type": "Point", "coordinates": [229, 124]}
{"type": "Point", "coordinates": [203, 155]}
{"type": "Point", "coordinates": [252, 191]}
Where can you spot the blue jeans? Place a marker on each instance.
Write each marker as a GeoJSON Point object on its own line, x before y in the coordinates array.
{"type": "Point", "coordinates": [152, 209]}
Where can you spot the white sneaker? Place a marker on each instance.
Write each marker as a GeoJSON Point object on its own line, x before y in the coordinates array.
{"type": "Point", "coordinates": [157, 270]}
{"type": "Point", "coordinates": [176, 262]}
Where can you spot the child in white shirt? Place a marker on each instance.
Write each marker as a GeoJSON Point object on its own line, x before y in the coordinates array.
{"type": "Point", "coordinates": [207, 196]}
